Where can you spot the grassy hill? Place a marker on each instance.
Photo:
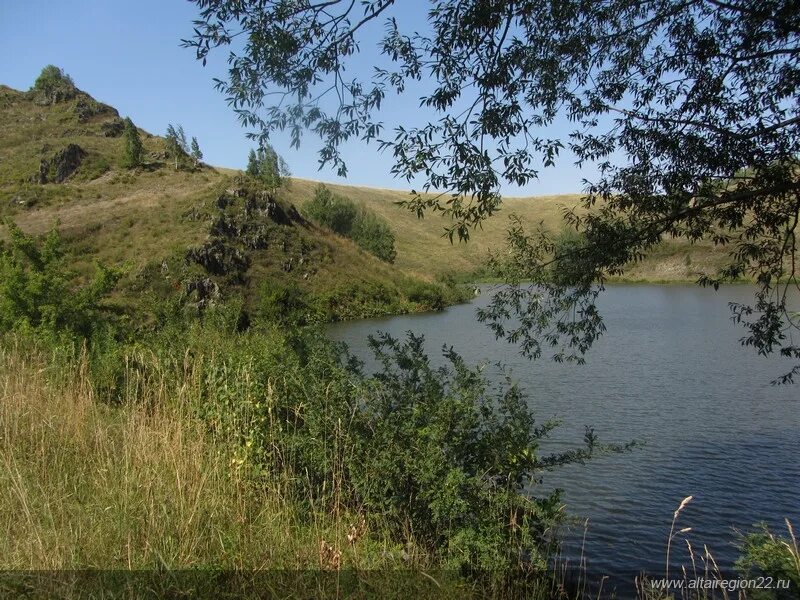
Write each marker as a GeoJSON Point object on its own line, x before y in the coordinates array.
{"type": "Point", "coordinates": [423, 251]}
{"type": "Point", "coordinates": [153, 220]}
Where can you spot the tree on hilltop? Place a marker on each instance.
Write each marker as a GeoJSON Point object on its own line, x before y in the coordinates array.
{"type": "Point", "coordinates": [54, 85]}
{"type": "Point", "coordinates": [176, 145]}
{"type": "Point", "coordinates": [267, 166]}
{"type": "Point", "coordinates": [689, 111]}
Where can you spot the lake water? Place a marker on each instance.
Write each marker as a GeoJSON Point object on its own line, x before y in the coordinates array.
{"type": "Point", "coordinates": [669, 371]}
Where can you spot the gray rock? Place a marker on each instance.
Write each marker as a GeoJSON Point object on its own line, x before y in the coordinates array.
{"type": "Point", "coordinates": [113, 128]}
{"type": "Point", "coordinates": [61, 166]}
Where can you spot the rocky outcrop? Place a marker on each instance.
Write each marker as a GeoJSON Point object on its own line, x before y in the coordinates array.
{"type": "Point", "coordinates": [53, 94]}
{"type": "Point", "coordinates": [219, 258]}
{"type": "Point", "coordinates": [87, 107]}
{"type": "Point", "coordinates": [61, 165]}
{"type": "Point", "coordinates": [242, 222]}
{"type": "Point", "coordinates": [203, 291]}
{"type": "Point", "coordinates": [113, 128]}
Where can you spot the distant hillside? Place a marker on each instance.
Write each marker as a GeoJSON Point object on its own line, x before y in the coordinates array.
{"type": "Point", "coordinates": [422, 249]}
{"type": "Point", "coordinates": [61, 161]}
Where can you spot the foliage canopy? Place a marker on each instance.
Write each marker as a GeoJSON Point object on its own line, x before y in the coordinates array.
{"type": "Point", "coordinates": [689, 111]}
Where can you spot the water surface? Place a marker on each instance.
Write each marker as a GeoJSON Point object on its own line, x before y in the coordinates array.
{"type": "Point", "coordinates": [670, 371]}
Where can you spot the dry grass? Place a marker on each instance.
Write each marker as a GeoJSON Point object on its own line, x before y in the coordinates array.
{"type": "Point", "coordinates": [139, 486]}
{"type": "Point", "coordinates": [423, 251]}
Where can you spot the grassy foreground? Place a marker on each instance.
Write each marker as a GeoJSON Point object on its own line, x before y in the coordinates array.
{"type": "Point", "coordinates": [157, 501]}
{"type": "Point", "coordinates": [170, 475]}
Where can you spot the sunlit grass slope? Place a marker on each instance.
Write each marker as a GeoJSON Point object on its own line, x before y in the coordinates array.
{"type": "Point", "coordinates": [424, 250]}
{"type": "Point", "coordinates": [140, 218]}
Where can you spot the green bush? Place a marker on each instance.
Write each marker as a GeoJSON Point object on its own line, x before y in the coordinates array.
{"type": "Point", "coordinates": [428, 454]}
{"type": "Point", "coordinates": [343, 216]}
{"type": "Point", "coordinates": [282, 302]}
{"type": "Point", "coordinates": [764, 554]}
{"type": "Point", "coordinates": [36, 290]}
{"type": "Point", "coordinates": [453, 460]}
{"type": "Point", "coordinates": [332, 211]}
{"type": "Point", "coordinates": [374, 235]}
{"type": "Point", "coordinates": [428, 295]}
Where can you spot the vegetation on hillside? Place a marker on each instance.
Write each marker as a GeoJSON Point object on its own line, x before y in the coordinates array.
{"type": "Point", "coordinates": [132, 156]}
{"type": "Point", "coordinates": [193, 236]}
{"type": "Point", "coordinates": [357, 222]}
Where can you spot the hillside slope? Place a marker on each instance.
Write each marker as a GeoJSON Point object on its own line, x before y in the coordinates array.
{"type": "Point", "coordinates": [422, 249]}
{"type": "Point", "coordinates": [201, 232]}
{"type": "Point", "coordinates": [156, 221]}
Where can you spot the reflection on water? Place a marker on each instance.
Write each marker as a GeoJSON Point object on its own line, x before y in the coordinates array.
{"type": "Point", "coordinates": [669, 371]}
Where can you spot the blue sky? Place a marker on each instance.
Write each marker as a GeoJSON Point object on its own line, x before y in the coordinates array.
{"type": "Point", "coordinates": [128, 54]}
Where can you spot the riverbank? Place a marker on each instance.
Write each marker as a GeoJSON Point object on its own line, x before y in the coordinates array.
{"type": "Point", "coordinates": [200, 447]}
{"type": "Point", "coordinates": [215, 452]}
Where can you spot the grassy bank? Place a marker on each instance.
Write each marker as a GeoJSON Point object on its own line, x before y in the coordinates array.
{"type": "Point", "coordinates": [174, 468]}
{"type": "Point", "coordinates": [172, 485]}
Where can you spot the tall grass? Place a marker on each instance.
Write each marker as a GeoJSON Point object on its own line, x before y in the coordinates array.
{"type": "Point", "coordinates": [145, 485]}
{"type": "Point", "coordinates": [85, 485]}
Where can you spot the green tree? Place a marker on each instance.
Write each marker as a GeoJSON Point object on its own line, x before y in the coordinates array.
{"type": "Point", "coordinates": [267, 166]}
{"type": "Point", "coordinates": [132, 156]}
{"type": "Point", "coordinates": [252, 164]}
{"type": "Point", "coordinates": [54, 85]}
{"type": "Point", "coordinates": [196, 153]}
{"type": "Point", "coordinates": [175, 141]}
{"type": "Point", "coordinates": [689, 111]}
{"type": "Point", "coordinates": [180, 136]}
{"type": "Point", "coordinates": [36, 289]}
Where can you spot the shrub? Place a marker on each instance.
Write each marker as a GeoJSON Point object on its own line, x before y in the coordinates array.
{"type": "Point", "coordinates": [282, 303]}
{"type": "Point", "coordinates": [332, 211]}
{"type": "Point", "coordinates": [767, 555]}
{"type": "Point", "coordinates": [374, 235]}
{"type": "Point", "coordinates": [36, 291]}
{"type": "Point", "coordinates": [429, 454]}
{"type": "Point", "coordinates": [343, 216]}
{"type": "Point", "coordinates": [453, 460]}
{"type": "Point", "coordinates": [428, 295]}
